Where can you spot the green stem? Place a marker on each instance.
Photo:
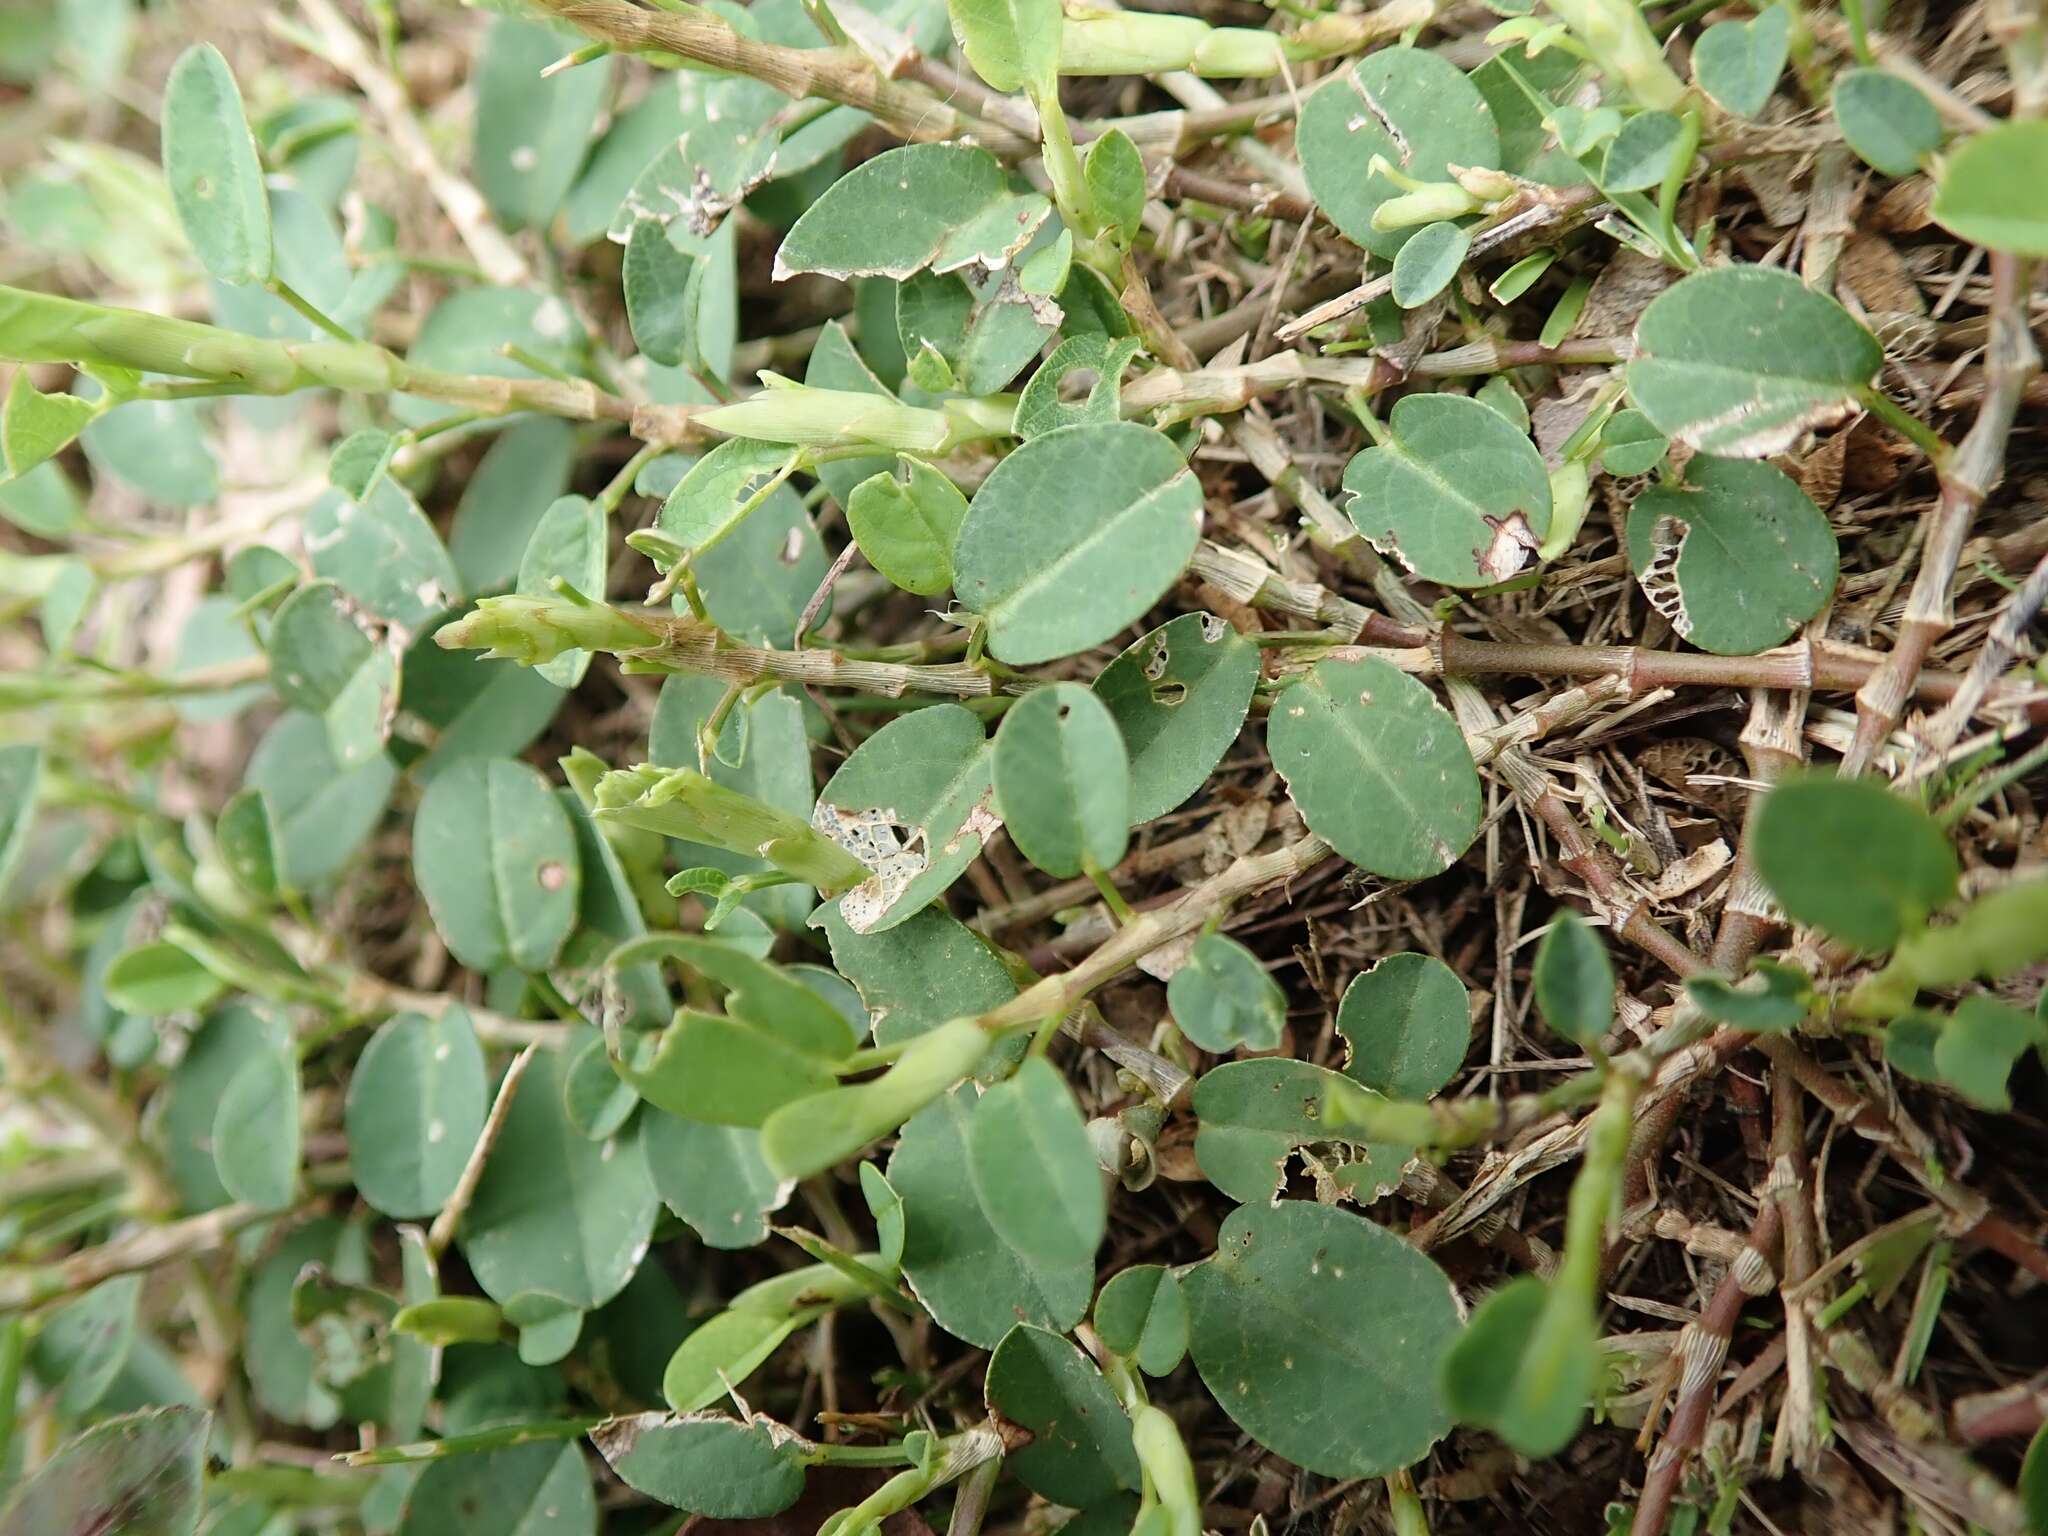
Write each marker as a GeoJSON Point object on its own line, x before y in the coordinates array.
{"type": "Point", "coordinates": [1894, 415]}
{"type": "Point", "coordinates": [306, 307]}
{"type": "Point", "coordinates": [471, 1444]}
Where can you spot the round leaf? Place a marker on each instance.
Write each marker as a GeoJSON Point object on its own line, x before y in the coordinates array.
{"type": "Point", "coordinates": [1993, 191]}
{"type": "Point", "coordinates": [555, 1211]}
{"type": "Point", "coordinates": [416, 1104]}
{"type": "Point", "coordinates": [1427, 261]}
{"type": "Point", "coordinates": [1452, 490]}
{"type": "Point", "coordinates": [1080, 1450]}
{"type": "Point", "coordinates": [1407, 1022]}
{"type": "Point", "coordinates": [1413, 107]}
{"type": "Point", "coordinates": [495, 857]}
{"type": "Point", "coordinates": [1274, 1330]}
{"type": "Point", "coordinates": [1853, 859]}
{"type": "Point", "coordinates": [1736, 555]}
{"type": "Point", "coordinates": [1063, 783]}
{"type": "Point", "coordinates": [1741, 360]}
{"type": "Point", "coordinates": [1076, 534]}
{"type": "Point", "coordinates": [210, 161]}
{"type": "Point", "coordinates": [1377, 767]}
{"type": "Point", "coordinates": [975, 1285]}
{"type": "Point", "coordinates": [1034, 1170]}
{"type": "Point", "coordinates": [1179, 697]}
{"type": "Point", "coordinates": [1886, 119]}
{"type": "Point", "coordinates": [1222, 998]}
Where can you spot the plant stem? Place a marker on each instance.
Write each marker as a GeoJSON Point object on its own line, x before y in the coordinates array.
{"type": "Point", "coordinates": [502, 1437]}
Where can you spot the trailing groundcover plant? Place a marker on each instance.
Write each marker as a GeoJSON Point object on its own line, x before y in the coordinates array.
{"type": "Point", "coordinates": [814, 767]}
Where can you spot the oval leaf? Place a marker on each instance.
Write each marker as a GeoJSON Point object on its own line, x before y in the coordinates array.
{"type": "Point", "coordinates": [415, 1106]}
{"type": "Point", "coordinates": [210, 161]}
{"type": "Point", "coordinates": [1062, 781]}
{"type": "Point", "coordinates": [1406, 1022]}
{"type": "Point", "coordinates": [495, 857]}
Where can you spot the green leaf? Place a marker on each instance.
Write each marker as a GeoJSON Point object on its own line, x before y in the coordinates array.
{"type": "Point", "coordinates": [1639, 157]}
{"type": "Point", "coordinates": [1034, 1170]}
{"type": "Point", "coordinates": [1978, 1047]}
{"type": "Point", "coordinates": [1273, 1334]}
{"type": "Point", "coordinates": [330, 659]}
{"type": "Point", "coordinates": [1062, 781]}
{"type": "Point", "coordinates": [656, 280]}
{"type": "Point", "coordinates": [594, 1097]}
{"type": "Point", "coordinates": [1377, 767]}
{"type": "Point", "coordinates": [1041, 410]}
{"type": "Point", "coordinates": [534, 1490]}
{"type": "Point", "coordinates": [1142, 1314]}
{"type": "Point", "coordinates": [1741, 360]}
{"type": "Point", "coordinates": [282, 1367]}
{"type": "Point", "coordinates": [1735, 555]}
{"type": "Point", "coordinates": [555, 1211]}
{"type": "Point", "coordinates": [1505, 1374]}
{"type": "Point", "coordinates": [714, 1177]}
{"type": "Point", "coordinates": [210, 161]}
{"type": "Point", "coordinates": [1574, 980]}
{"type": "Point", "coordinates": [138, 1474]}
{"type": "Point", "coordinates": [1406, 1024]}
{"type": "Point", "coordinates": [812, 1134]}
{"type": "Point", "coordinates": [33, 425]}
{"type": "Point", "coordinates": [382, 551]}
{"type": "Point", "coordinates": [1853, 859]}
{"type": "Point", "coordinates": [508, 492]}
{"type": "Point", "coordinates": [530, 131]}
{"type": "Point", "coordinates": [756, 582]}
{"type": "Point", "coordinates": [446, 1320]}
{"type": "Point", "coordinates": [183, 1122]}
{"type": "Point", "coordinates": [1993, 189]}
{"type": "Point", "coordinates": [1427, 262]}
{"type": "Point", "coordinates": [256, 1129]}
{"type": "Point", "coordinates": [683, 803]}
{"type": "Point", "coordinates": [906, 528]}
{"type": "Point", "coordinates": [1453, 491]}
{"type": "Point", "coordinates": [1076, 534]}
{"type": "Point", "coordinates": [1413, 107]}
{"type": "Point", "coordinates": [416, 1103]}
{"type": "Point", "coordinates": [571, 542]}
{"type": "Point", "coordinates": [706, 1463]}
{"type": "Point", "coordinates": [159, 447]}
{"type": "Point", "coordinates": [495, 857]}
{"type": "Point", "coordinates": [916, 975]}
{"type": "Point", "coordinates": [323, 811]}
{"type": "Point", "coordinates": [1080, 1450]}
{"type": "Point", "coordinates": [1179, 697]}
{"type": "Point", "coordinates": [836, 364]}
{"type": "Point", "coordinates": [1629, 445]}
{"type": "Point", "coordinates": [1738, 62]}
{"type": "Point", "coordinates": [159, 978]}
{"type": "Point", "coordinates": [1995, 936]}
{"type": "Point", "coordinates": [1115, 174]}
{"type": "Point", "coordinates": [942, 206]}
{"type": "Point", "coordinates": [83, 1345]}
{"type": "Point", "coordinates": [247, 836]}
{"type": "Point", "coordinates": [21, 780]}
{"type": "Point", "coordinates": [913, 804]}
{"type": "Point", "coordinates": [1886, 119]}
{"type": "Point", "coordinates": [1254, 1114]}
{"type": "Point", "coordinates": [2033, 1483]}
{"type": "Point", "coordinates": [1014, 45]}
{"type": "Point", "coordinates": [1772, 999]}
{"type": "Point", "coordinates": [970, 334]}
{"type": "Point", "coordinates": [1222, 998]}
{"type": "Point", "coordinates": [721, 490]}
{"type": "Point", "coordinates": [974, 1284]}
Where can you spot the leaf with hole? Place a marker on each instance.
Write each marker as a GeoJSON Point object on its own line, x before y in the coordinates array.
{"type": "Point", "coordinates": [1735, 555]}
{"type": "Point", "coordinates": [1741, 360]}
{"type": "Point", "coordinates": [1267, 1331]}
{"type": "Point", "coordinates": [1253, 1115]}
{"type": "Point", "coordinates": [33, 425]}
{"type": "Point", "coordinates": [1452, 490]}
{"type": "Point", "coordinates": [1179, 696]}
{"type": "Point", "coordinates": [210, 161]}
{"type": "Point", "coordinates": [1377, 767]}
{"type": "Point", "coordinates": [1076, 534]}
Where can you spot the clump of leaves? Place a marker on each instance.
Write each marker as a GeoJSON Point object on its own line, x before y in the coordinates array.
{"type": "Point", "coordinates": [773, 787]}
